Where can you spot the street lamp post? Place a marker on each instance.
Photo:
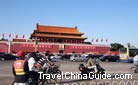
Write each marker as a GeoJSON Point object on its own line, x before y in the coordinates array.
{"type": "Point", "coordinates": [36, 44]}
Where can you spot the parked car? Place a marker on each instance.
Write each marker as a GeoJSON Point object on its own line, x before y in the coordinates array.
{"type": "Point", "coordinates": [78, 58]}
{"type": "Point", "coordinates": [128, 60]}
{"type": "Point", "coordinates": [112, 58]}
{"type": "Point", "coordinates": [2, 54]}
{"type": "Point", "coordinates": [8, 57]}
{"type": "Point", "coordinates": [66, 56]}
{"type": "Point", "coordinates": [55, 57]}
{"type": "Point", "coordinates": [94, 56]}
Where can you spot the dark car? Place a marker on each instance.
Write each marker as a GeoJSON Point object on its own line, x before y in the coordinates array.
{"type": "Point", "coordinates": [66, 56]}
{"type": "Point", "coordinates": [94, 56]}
{"type": "Point", "coordinates": [2, 54]}
{"type": "Point", "coordinates": [8, 57]}
{"type": "Point", "coordinates": [127, 61]}
{"type": "Point", "coordinates": [112, 58]}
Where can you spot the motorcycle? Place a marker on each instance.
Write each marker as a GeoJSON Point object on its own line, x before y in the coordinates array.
{"type": "Point", "coordinates": [86, 71]}
{"type": "Point", "coordinates": [134, 69]}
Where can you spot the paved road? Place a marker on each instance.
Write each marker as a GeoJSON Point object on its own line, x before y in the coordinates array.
{"type": "Point", "coordinates": [112, 68]}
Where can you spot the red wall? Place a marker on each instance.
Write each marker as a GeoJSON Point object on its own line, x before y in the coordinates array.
{"type": "Point", "coordinates": [4, 47]}
{"type": "Point", "coordinates": [24, 47]}
{"type": "Point", "coordinates": [48, 47]}
{"type": "Point", "coordinates": [80, 49]}
{"type": "Point", "coordinates": [54, 48]}
{"type": "Point", "coordinates": [31, 47]}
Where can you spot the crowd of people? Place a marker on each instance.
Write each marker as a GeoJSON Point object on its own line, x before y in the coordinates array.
{"type": "Point", "coordinates": [28, 67]}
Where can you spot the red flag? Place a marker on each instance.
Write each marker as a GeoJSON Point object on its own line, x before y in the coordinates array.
{"type": "Point", "coordinates": [3, 35]}
{"type": "Point", "coordinates": [23, 36]}
{"type": "Point", "coordinates": [66, 40]}
{"type": "Point", "coordinates": [92, 40]}
{"type": "Point", "coordinates": [71, 41]}
{"type": "Point", "coordinates": [97, 40]}
{"type": "Point", "coordinates": [16, 36]}
{"type": "Point", "coordinates": [106, 40]}
{"type": "Point", "coordinates": [102, 40]}
{"type": "Point", "coordinates": [9, 35]}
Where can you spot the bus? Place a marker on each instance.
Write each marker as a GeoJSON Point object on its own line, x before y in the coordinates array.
{"type": "Point", "coordinates": [128, 53]}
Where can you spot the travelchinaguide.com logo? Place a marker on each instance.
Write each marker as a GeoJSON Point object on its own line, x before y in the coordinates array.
{"type": "Point", "coordinates": [91, 75]}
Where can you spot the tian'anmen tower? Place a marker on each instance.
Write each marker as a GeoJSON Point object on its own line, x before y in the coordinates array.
{"type": "Point", "coordinates": [57, 34]}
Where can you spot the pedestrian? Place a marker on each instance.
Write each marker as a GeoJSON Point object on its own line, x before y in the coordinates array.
{"type": "Point", "coordinates": [20, 70]}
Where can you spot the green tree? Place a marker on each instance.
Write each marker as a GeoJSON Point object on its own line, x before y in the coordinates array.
{"type": "Point", "coordinates": [116, 46]}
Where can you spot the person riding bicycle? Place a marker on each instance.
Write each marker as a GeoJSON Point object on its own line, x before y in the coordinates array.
{"type": "Point", "coordinates": [32, 70]}
{"type": "Point", "coordinates": [135, 59]}
{"type": "Point", "coordinates": [46, 66]}
{"type": "Point", "coordinates": [44, 62]}
{"type": "Point", "coordinates": [91, 64]}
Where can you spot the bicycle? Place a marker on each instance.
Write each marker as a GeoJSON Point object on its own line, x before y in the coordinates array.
{"type": "Point", "coordinates": [54, 70]}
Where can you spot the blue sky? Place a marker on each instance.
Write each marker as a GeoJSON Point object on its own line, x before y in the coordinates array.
{"type": "Point", "coordinates": [115, 20]}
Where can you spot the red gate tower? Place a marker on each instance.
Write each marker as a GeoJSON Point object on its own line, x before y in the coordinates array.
{"type": "Point", "coordinates": [57, 34]}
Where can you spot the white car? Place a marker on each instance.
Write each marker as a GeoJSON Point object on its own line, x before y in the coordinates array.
{"type": "Point", "coordinates": [55, 57]}
{"type": "Point", "coordinates": [78, 58]}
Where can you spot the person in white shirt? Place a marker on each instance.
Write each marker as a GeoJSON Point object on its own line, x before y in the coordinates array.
{"type": "Point", "coordinates": [135, 60]}
{"type": "Point", "coordinates": [33, 74]}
